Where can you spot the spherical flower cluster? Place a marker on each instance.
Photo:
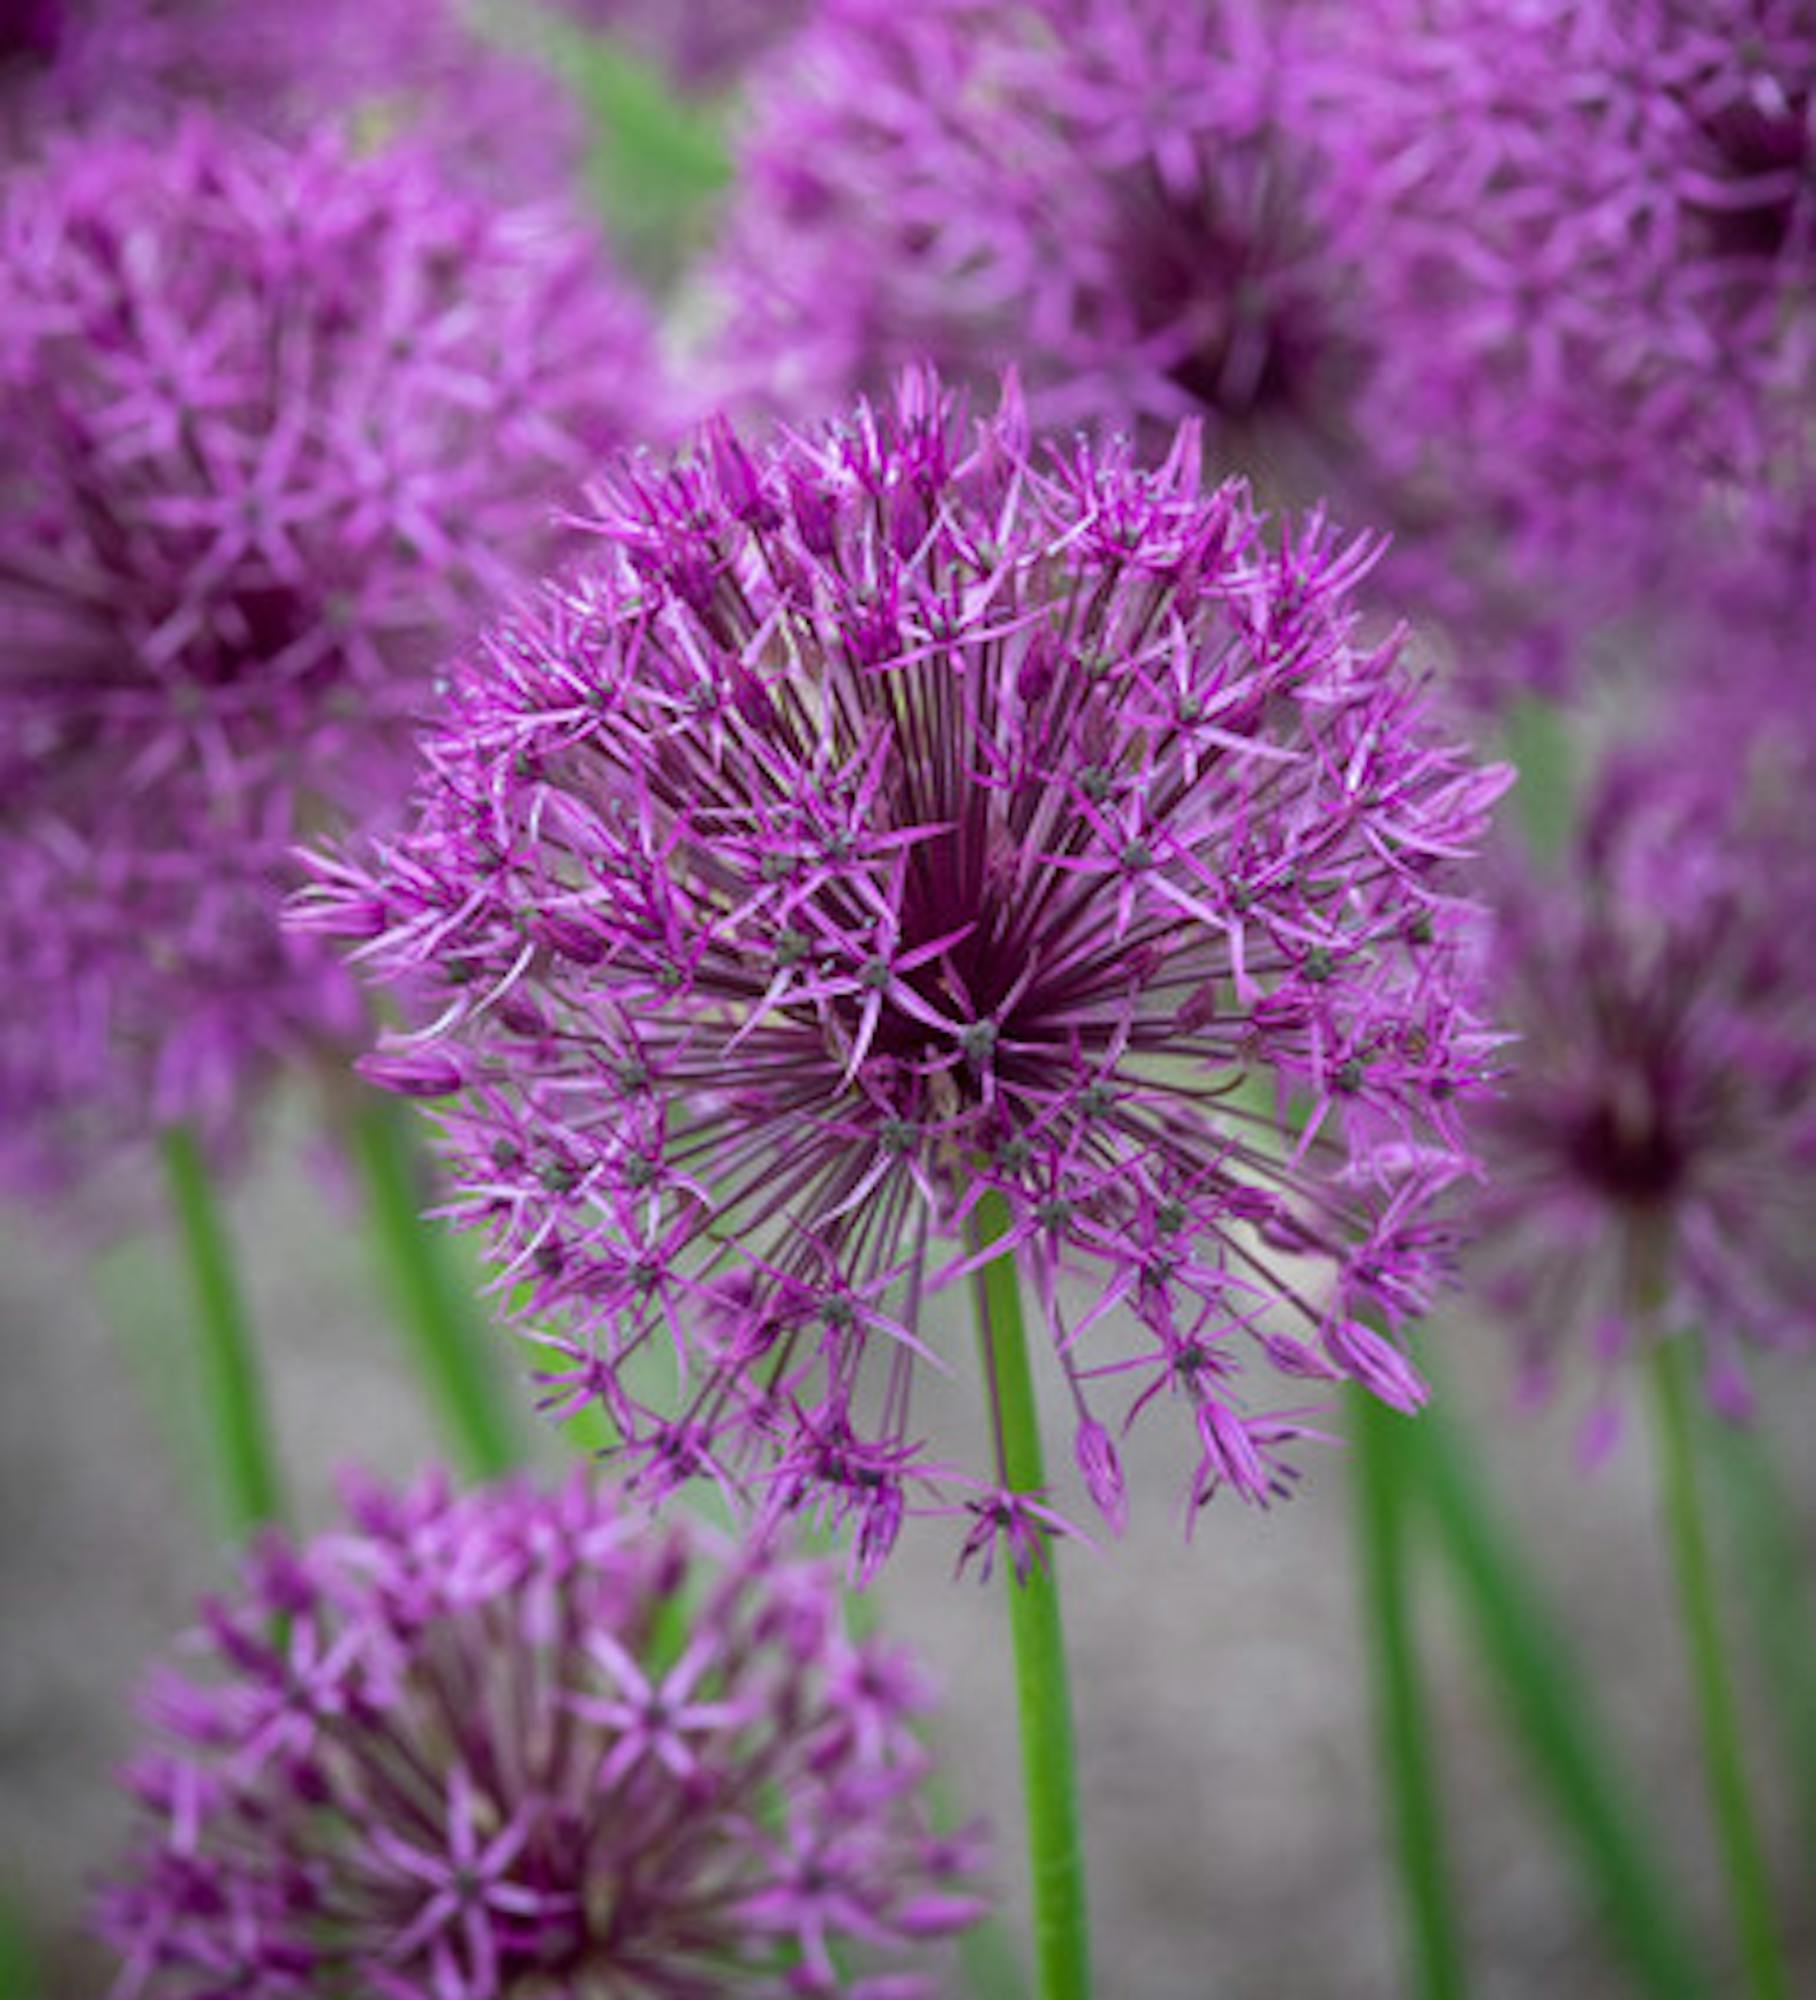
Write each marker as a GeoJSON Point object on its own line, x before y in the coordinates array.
{"type": "Point", "coordinates": [1604, 218]}
{"type": "Point", "coordinates": [1127, 198]}
{"type": "Point", "coordinates": [891, 829]}
{"type": "Point", "coordinates": [508, 1745]}
{"type": "Point", "coordinates": [1649, 1160]}
{"type": "Point", "coordinates": [273, 427]}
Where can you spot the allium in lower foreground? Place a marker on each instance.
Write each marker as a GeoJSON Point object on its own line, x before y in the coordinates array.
{"type": "Point", "coordinates": [275, 426]}
{"type": "Point", "coordinates": [507, 1745]}
{"type": "Point", "coordinates": [893, 819]}
{"type": "Point", "coordinates": [1652, 1158]}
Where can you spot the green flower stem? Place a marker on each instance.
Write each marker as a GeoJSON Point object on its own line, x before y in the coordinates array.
{"type": "Point", "coordinates": [1550, 1708]}
{"type": "Point", "coordinates": [1737, 1831]}
{"type": "Point", "coordinates": [245, 1466]}
{"type": "Point", "coordinates": [1062, 1956]}
{"type": "Point", "coordinates": [433, 1309]}
{"type": "Point", "coordinates": [1378, 1440]}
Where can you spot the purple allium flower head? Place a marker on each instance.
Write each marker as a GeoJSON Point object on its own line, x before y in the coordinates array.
{"type": "Point", "coordinates": [1596, 221]}
{"type": "Point", "coordinates": [1509, 279]}
{"type": "Point", "coordinates": [507, 1744]}
{"type": "Point", "coordinates": [1653, 1153]}
{"type": "Point", "coordinates": [1126, 198]}
{"type": "Point", "coordinates": [890, 817]}
{"type": "Point", "coordinates": [272, 427]}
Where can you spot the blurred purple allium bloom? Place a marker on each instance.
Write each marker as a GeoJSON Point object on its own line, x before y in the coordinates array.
{"type": "Point", "coordinates": [1128, 199]}
{"type": "Point", "coordinates": [1313, 227]}
{"type": "Point", "coordinates": [1596, 222]}
{"type": "Point", "coordinates": [425, 70]}
{"type": "Point", "coordinates": [273, 427]}
{"type": "Point", "coordinates": [1658, 1126]}
{"type": "Point", "coordinates": [506, 1744]}
{"type": "Point", "coordinates": [891, 816]}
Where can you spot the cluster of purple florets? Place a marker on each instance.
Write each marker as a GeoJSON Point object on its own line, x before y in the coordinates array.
{"type": "Point", "coordinates": [278, 424]}
{"type": "Point", "coordinates": [1137, 201]}
{"type": "Point", "coordinates": [897, 820]}
{"type": "Point", "coordinates": [1649, 1168]}
{"type": "Point", "coordinates": [1531, 288]}
{"type": "Point", "coordinates": [1509, 279]}
{"type": "Point", "coordinates": [1639, 207]}
{"type": "Point", "coordinates": [506, 1744]}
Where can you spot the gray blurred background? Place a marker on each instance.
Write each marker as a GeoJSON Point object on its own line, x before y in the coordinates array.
{"type": "Point", "coordinates": [1233, 1829]}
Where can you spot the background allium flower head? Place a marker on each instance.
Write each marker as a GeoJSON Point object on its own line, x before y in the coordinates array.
{"type": "Point", "coordinates": [512, 1745]}
{"type": "Point", "coordinates": [1127, 198]}
{"type": "Point", "coordinates": [1597, 223]}
{"type": "Point", "coordinates": [272, 427]}
{"type": "Point", "coordinates": [888, 818]}
{"type": "Point", "coordinates": [1330, 233]}
{"type": "Point", "coordinates": [1658, 1125]}
{"type": "Point", "coordinates": [424, 69]}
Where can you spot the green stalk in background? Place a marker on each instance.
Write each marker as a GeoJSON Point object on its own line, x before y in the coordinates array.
{"type": "Point", "coordinates": [1062, 1956]}
{"type": "Point", "coordinates": [1737, 1828]}
{"type": "Point", "coordinates": [1776, 1583]}
{"type": "Point", "coordinates": [1377, 1436]}
{"type": "Point", "coordinates": [1550, 1708]}
{"type": "Point", "coordinates": [1536, 739]}
{"type": "Point", "coordinates": [435, 1311]}
{"type": "Point", "coordinates": [658, 161]}
{"type": "Point", "coordinates": [20, 1978]}
{"type": "Point", "coordinates": [247, 1487]}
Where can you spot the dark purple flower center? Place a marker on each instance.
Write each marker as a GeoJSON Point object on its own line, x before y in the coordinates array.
{"type": "Point", "coordinates": [30, 30]}
{"type": "Point", "coordinates": [968, 980]}
{"type": "Point", "coordinates": [1258, 342]}
{"type": "Point", "coordinates": [1762, 141]}
{"type": "Point", "coordinates": [257, 624]}
{"type": "Point", "coordinates": [1629, 1150]}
